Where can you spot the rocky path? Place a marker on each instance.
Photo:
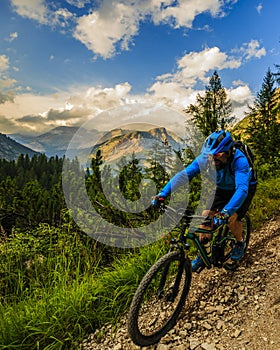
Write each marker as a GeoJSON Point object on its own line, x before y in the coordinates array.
{"type": "Point", "coordinates": [225, 310]}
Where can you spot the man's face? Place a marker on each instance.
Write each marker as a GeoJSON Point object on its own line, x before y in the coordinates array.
{"type": "Point", "coordinates": [219, 160]}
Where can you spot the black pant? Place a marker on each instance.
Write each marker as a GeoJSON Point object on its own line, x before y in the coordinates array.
{"type": "Point", "coordinates": [221, 197]}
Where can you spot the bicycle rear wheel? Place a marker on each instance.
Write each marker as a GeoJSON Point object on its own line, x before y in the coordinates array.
{"type": "Point", "coordinates": [159, 299]}
{"type": "Point", "coordinates": [246, 232]}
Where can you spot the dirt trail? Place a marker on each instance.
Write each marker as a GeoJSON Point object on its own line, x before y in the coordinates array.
{"type": "Point", "coordinates": [225, 310]}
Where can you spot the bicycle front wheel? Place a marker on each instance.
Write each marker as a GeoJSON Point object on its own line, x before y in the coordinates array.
{"type": "Point", "coordinates": [159, 299]}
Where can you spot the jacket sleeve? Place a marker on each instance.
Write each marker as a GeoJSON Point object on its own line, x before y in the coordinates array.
{"type": "Point", "coordinates": [242, 177]}
{"type": "Point", "coordinates": [181, 178]}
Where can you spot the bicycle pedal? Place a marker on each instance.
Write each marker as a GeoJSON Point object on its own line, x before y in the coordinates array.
{"type": "Point", "coordinates": [200, 269]}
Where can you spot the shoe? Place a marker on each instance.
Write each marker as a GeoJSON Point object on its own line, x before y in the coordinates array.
{"type": "Point", "coordinates": [197, 263]}
{"type": "Point", "coordinates": [238, 251]}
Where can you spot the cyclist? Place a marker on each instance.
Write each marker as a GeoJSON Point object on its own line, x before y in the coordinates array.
{"type": "Point", "coordinates": [235, 187]}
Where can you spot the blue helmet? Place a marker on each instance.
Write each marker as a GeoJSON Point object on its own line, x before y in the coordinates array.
{"type": "Point", "coordinates": [218, 141]}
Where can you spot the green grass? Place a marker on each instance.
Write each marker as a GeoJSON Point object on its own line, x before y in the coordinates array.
{"type": "Point", "coordinates": [266, 202]}
{"type": "Point", "coordinates": [60, 311]}
{"type": "Point", "coordinates": [54, 290]}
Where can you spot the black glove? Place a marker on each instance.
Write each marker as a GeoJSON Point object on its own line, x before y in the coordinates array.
{"type": "Point", "coordinates": [157, 200]}
{"type": "Point", "coordinates": [221, 218]}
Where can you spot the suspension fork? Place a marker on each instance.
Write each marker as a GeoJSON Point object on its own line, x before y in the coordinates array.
{"type": "Point", "coordinates": [181, 247]}
{"type": "Point", "coordinates": [175, 288]}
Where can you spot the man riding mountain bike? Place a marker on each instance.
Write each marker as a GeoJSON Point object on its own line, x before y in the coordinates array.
{"type": "Point", "coordinates": [235, 187]}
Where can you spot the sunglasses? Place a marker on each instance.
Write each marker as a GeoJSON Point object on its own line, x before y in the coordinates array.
{"type": "Point", "coordinates": [218, 155]}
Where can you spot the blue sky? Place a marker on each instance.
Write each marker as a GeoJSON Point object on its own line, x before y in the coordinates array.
{"type": "Point", "coordinates": [63, 62]}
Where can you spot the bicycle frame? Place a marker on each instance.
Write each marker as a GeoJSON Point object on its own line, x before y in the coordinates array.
{"type": "Point", "coordinates": [191, 233]}
{"type": "Point", "coordinates": [219, 237]}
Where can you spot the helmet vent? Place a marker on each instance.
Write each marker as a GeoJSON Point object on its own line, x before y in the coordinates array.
{"type": "Point", "coordinates": [219, 139]}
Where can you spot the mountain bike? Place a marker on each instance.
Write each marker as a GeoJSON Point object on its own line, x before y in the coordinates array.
{"type": "Point", "coordinates": [162, 293]}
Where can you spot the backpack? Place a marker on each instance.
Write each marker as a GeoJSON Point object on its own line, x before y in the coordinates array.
{"type": "Point", "coordinates": [246, 150]}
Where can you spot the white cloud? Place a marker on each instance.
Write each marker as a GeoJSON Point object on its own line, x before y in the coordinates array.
{"type": "Point", "coordinates": [4, 63]}
{"type": "Point", "coordinates": [4, 97]}
{"type": "Point", "coordinates": [241, 97]}
{"type": "Point", "coordinates": [184, 12]}
{"type": "Point", "coordinates": [98, 98]}
{"type": "Point", "coordinates": [12, 37]}
{"type": "Point", "coordinates": [259, 8]}
{"type": "Point", "coordinates": [238, 83]}
{"type": "Point", "coordinates": [7, 125]}
{"type": "Point", "coordinates": [241, 94]}
{"type": "Point", "coordinates": [39, 11]}
{"type": "Point", "coordinates": [194, 66]}
{"type": "Point", "coordinates": [78, 3]}
{"type": "Point", "coordinates": [33, 9]}
{"type": "Point", "coordinates": [6, 83]}
{"type": "Point", "coordinates": [61, 17]}
{"type": "Point", "coordinates": [172, 94]}
{"type": "Point", "coordinates": [29, 104]}
{"type": "Point", "coordinates": [114, 24]}
{"type": "Point", "coordinates": [253, 49]}
{"type": "Point", "coordinates": [32, 112]}
{"type": "Point", "coordinates": [179, 89]}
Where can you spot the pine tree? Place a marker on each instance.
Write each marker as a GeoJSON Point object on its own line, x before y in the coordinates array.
{"type": "Point", "coordinates": [263, 128]}
{"type": "Point", "coordinates": [93, 182]}
{"type": "Point", "coordinates": [211, 111]}
{"type": "Point", "coordinates": [130, 178]}
{"type": "Point", "coordinates": [277, 75]}
{"type": "Point", "coordinates": [159, 159]}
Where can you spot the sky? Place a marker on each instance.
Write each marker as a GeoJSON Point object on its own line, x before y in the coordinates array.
{"type": "Point", "coordinates": [65, 62]}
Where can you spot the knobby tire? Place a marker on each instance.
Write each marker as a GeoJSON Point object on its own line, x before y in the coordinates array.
{"type": "Point", "coordinates": [246, 232]}
{"type": "Point", "coordinates": [168, 270]}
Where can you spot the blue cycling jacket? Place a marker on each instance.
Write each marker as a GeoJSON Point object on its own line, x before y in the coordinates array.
{"type": "Point", "coordinates": [237, 180]}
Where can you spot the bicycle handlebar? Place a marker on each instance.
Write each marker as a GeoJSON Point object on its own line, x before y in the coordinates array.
{"type": "Point", "coordinates": [210, 221]}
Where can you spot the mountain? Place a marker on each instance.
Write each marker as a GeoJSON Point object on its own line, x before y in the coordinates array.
{"type": "Point", "coordinates": [52, 143]}
{"type": "Point", "coordinates": [10, 149]}
{"type": "Point", "coordinates": [113, 144]}
{"type": "Point", "coordinates": [118, 143]}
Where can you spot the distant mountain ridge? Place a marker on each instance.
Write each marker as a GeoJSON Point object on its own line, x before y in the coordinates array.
{"type": "Point", "coordinates": [52, 143]}
{"type": "Point", "coordinates": [113, 144]}
{"type": "Point", "coordinates": [11, 149]}
{"type": "Point", "coordinates": [118, 143]}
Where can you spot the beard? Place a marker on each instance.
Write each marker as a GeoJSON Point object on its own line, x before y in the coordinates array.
{"type": "Point", "coordinates": [219, 165]}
